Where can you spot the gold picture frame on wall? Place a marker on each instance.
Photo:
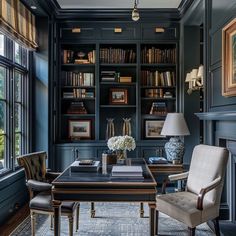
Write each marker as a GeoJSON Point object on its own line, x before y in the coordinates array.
{"type": "Point", "coordinates": [229, 59]}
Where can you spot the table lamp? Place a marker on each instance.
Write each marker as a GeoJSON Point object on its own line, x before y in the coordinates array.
{"type": "Point", "coordinates": [175, 126]}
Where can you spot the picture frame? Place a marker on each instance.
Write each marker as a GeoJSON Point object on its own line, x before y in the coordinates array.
{"type": "Point", "coordinates": [118, 96]}
{"type": "Point", "coordinates": [229, 59]}
{"type": "Point", "coordinates": [153, 128]}
{"type": "Point", "coordinates": [79, 129]}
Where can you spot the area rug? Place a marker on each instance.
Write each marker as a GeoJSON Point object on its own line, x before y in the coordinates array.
{"type": "Point", "coordinates": [112, 219]}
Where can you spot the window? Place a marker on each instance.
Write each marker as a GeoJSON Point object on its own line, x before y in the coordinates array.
{"type": "Point", "coordinates": [13, 103]}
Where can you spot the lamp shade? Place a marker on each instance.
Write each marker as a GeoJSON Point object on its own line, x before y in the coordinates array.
{"type": "Point", "coordinates": [188, 77]}
{"type": "Point", "coordinates": [175, 125]}
{"type": "Point", "coordinates": [200, 72]}
{"type": "Point", "coordinates": [194, 74]}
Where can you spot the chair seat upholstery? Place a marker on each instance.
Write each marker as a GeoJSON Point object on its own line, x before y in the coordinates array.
{"type": "Point", "coordinates": [182, 206]}
{"type": "Point", "coordinates": [43, 202]}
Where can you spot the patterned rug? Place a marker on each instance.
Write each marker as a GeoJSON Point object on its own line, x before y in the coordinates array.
{"type": "Point", "coordinates": [112, 219]}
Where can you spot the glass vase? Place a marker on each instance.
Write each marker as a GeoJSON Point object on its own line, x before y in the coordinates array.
{"type": "Point", "coordinates": [121, 156]}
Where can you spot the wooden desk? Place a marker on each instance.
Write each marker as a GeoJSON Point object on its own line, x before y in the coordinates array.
{"type": "Point", "coordinates": [97, 187]}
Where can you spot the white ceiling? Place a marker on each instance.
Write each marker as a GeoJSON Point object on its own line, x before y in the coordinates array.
{"type": "Point", "coordinates": [117, 4]}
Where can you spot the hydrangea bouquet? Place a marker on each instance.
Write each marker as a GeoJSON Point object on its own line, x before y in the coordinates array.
{"type": "Point", "coordinates": [121, 144]}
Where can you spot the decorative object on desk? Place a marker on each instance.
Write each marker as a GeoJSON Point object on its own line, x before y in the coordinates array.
{"type": "Point", "coordinates": [79, 129]}
{"type": "Point", "coordinates": [118, 96]}
{"type": "Point", "coordinates": [85, 166]}
{"type": "Point", "coordinates": [111, 157]}
{"type": "Point", "coordinates": [176, 126]}
{"type": "Point", "coordinates": [157, 160]}
{"type": "Point", "coordinates": [110, 130]}
{"type": "Point", "coordinates": [127, 171]}
{"type": "Point", "coordinates": [153, 128]}
{"type": "Point", "coordinates": [195, 79]}
{"type": "Point", "coordinates": [121, 144]}
{"type": "Point", "coordinates": [126, 130]}
{"type": "Point", "coordinates": [229, 59]}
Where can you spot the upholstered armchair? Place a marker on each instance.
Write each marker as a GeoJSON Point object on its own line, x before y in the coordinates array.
{"type": "Point", "coordinates": [38, 181]}
{"type": "Point", "coordinates": [200, 201]}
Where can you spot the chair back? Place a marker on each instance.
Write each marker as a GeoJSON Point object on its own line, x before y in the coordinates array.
{"type": "Point", "coordinates": [207, 164]}
{"type": "Point", "coordinates": [34, 165]}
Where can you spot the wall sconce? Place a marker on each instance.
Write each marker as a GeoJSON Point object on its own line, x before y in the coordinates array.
{"type": "Point", "coordinates": [135, 13]}
{"type": "Point", "coordinates": [195, 79]}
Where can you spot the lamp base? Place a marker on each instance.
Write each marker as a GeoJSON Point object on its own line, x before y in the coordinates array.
{"type": "Point", "coordinates": [174, 150]}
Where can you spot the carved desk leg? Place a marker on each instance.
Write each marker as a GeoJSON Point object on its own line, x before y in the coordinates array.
{"type": "Point", "coordinates": [141, 211]}
{"type": "Point", "coordinates": [92, 211]}
{"type": "Point", "coordinates": [152, 218]}
{"type": "Point", "coordinates": [57, 217]}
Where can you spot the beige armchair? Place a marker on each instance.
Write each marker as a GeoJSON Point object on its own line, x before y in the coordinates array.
{"type": "Point", "coordinates": [200, 201]}
{"type": "Point", "coordinates": [38, 181]}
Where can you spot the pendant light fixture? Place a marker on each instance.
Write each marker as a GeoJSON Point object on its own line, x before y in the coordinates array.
{"type": "Point", "coordinates": [135, 13]}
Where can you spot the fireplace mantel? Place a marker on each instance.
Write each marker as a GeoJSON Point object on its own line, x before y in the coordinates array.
{"type": "Point", "coordinates": [226, 115]}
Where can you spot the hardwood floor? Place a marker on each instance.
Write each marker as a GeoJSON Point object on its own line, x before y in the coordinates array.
{"type": "Point", "coordinates": [14, 221]}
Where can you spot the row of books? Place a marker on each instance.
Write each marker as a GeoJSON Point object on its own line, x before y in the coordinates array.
{"type": "Point", "coordinates": [70, 56]}
{"type": "Point", "coordinates": [78, 78]}
{"type": "Point", "coordinates": [127, 172]}
{"type": "Point", "coordinates": [107, 76]}
{"type": "Point", "coordinates": [77, 108]}
{"type": "Point", "coordinates": [158, 108]}
{"type": "Point", "coordinates": [79, 93]}
{"type": "Point", "coordinates": [157, 93]}
{"type": "Point", "coordinates": [117, 55]}
{"type": "Point", "coordinates": [156, 55]}
{"type": "Point", "coordinates": [156, 78]}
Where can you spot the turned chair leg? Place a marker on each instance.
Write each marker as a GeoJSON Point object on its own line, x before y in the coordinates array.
{"type": "Point", "coordinates": [51, 222]}
{"type": "Point", "coordinates": [157, 216]}
{"type": "Point", "coordinates": [71, 219]}
{"type": "Point", "coordinates": [32, 215]}
{"type": "Point", "coordinates": [92, 211]}
{"type": "Point", "coordinates": [216, 226]}
{"type": "Point", "coordinates": [141, 210]}
{"type": "Point", "coordinates": [191, 231]}
{"type": "Point", "coordinates": [77, 217]}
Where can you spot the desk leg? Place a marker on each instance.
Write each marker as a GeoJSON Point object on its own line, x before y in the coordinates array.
{"type": "Point", "coordinates": [152, 218]}
{"type": "Point", "coordinates": [57, 217]}
{"type": "Point", "coordinates": [141, 211]}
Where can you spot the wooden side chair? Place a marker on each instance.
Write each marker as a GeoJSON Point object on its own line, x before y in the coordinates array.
{"type": "Point", "coordinates": [38, 181]}
{"type": "Point", "coordinates": [200, 202]}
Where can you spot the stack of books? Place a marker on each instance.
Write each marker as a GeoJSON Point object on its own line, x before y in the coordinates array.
{"type": "Point", "coordinates": [85, 166]}
{"type": "Point", "coordinates": [158, 108]}
{"type": "Point", "coordinates": [127, 172]}
{"type": "Point", "coordinates": [108, 75]}
{"type": "Point", "coordinates": [77, 108]}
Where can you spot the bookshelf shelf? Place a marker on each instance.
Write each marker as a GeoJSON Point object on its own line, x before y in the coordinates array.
{"type": "Point", "coordinates": [158, 65]}
{"type": "Point", "coordinates": [111, 83]}
{"type": "Point", "coordinates": [172, 99]}
{"type": "Point", "coordinates": [118, 64]}
{"type": "Point", "coordinates": [71, 87]}
{"type": "Point", "coordinates": [117, 106]}
{"type": "Point", "coordinates": [78, 115]}
{"type": "Point", "coordinates": [77, 99]}
{"type": "Point", "coordinates": [78, 65]}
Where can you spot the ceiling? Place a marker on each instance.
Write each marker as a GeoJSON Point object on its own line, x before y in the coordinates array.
{"type": "Point", "coordinates": [117, 4]}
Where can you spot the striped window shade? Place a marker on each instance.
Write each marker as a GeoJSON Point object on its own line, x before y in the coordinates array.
{"type": "Point", "coordinates": [18, 22]}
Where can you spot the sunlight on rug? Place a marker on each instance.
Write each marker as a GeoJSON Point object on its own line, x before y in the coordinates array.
{"type": "Point", "coordinates": [112, 219]}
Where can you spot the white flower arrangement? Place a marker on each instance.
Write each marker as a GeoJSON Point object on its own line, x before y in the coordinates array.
{"type": "Point", "coordinates": [121, 143]}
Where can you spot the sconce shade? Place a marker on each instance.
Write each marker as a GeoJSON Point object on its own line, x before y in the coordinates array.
{"type": "Point", "coordinates": [194, 73]}
{"type": "Point", "coordinates": [135, 14]}
{"type": "Point", "coordinates": [200, 72]}
{"type": "Point", "coordinates": [188, 77]}
{"type": "Point", "coordinates": [175, 125]}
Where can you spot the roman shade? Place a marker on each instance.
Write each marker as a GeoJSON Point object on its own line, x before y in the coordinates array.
{"type": "Point", "coordinates": [17, 22]}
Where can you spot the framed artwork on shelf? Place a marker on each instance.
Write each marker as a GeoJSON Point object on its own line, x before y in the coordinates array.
{"type": "Point", "coordinates": [79, 129]}
{"type": "Point", "coordinates": [229, 59]}
{"type": "Point", "coordinates": [153, 128]}
{"type": "Point", "coordinates": [118, 96]}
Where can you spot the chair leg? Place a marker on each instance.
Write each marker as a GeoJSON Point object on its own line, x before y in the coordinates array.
{"type": "Point", "coordinates": [191, 231]}
{"type": "Point", "coordinates": [32, 215]}
{"type": "Point", "coordinates": [157, 216]}
{"type": "Point", "coordinates": [216, 226]}
{"type": "Point", "coordinates": [77, 217]}
{"type": "Point", "coordinates": [51, 222]}
{"type": "Point", "coordinates": [92, 210]}
{"type": "Point", "coordinates": [141, 210]}
{"type": "Point", "coordinates": [71, 220]}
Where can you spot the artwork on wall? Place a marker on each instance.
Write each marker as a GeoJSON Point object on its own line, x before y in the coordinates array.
{"type": "Point", "coordinates": [229, 59]}
{"type": "Point", "coordinates": [79, 129]}
{"type": "Point", "coordinates": [153, 128]}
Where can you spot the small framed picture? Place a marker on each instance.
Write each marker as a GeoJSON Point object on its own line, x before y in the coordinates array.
{"type": "Point", "coordinates": [118, 96]}
{"type": "Point", "coordinates": [80, 129]}
{"type": "Point", "coordinates": [153, 128]}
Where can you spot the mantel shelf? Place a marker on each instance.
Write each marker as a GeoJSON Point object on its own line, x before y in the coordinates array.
{"type": "Point", "coordinates": [230, 115]}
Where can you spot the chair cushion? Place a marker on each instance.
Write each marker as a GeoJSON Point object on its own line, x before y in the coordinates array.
{"type": "Point", "coordinates": [43, 202]}
{"type": "Point", "coordinates": [182, 206]}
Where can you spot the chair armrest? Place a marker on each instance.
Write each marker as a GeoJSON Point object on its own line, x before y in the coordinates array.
{"type": "Point", "coordinates": [174, 177]}
{"type": "Point", "coordinates": [38, 186]}
{"type": "Point", "coordinates": [50, 176]}
{"type": "Point", "coordinates": [206, 189]}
